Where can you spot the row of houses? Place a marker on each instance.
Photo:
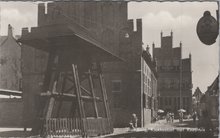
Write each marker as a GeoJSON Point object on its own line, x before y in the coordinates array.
{"type": "Point", "coordinates": [208, 101]}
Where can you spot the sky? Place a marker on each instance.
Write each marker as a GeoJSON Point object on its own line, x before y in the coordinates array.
{"type": "Point", "coordinates": [181, 18]}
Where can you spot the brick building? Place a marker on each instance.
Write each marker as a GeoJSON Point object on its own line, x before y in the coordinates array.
{"type": "Point", "coordinates": [174, 76]}
{"type": "Point", "coordinates": [131, 85]}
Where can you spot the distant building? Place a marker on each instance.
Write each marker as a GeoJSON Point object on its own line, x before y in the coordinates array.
{"type": "Point", "coordinates": [196, 100]}
{"type": "Point", "coordinates": [10, 62]}
{"type": "Point", "coordinates": [174, 76]}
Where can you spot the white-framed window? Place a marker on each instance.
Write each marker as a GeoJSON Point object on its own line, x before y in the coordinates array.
{"type": "Point", "coordinates": [116, 85]}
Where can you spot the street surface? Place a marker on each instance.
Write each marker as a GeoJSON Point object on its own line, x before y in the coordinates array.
{"type": "Point", "coordinates": [160, 126]}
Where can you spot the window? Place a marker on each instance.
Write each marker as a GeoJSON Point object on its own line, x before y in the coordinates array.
{"type": "Point", "coordinates": [144, 100]}
{"type": "Point", "coordinates": [116, 86]}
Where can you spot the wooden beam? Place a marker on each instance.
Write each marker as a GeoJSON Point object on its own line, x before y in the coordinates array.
{"type": "Point", "coordinates": [52, 82]}
{"type": "Point", "coordinates": [61, 89]}
{"type": "Point", "coordinates": [89, 93]}
{"type": "Point", "coordinates": [68, 95]}
{"type": "Point", "coordinates": [78, 96]}
{"type": "Point", "coordinates": [104, 95]}
{"type": "Point", "coordinates": [51, 103]}
{"type": "Point", "coordinates": [93, 94]}
{"type": "Point", "coordinates": [48, 72]}
{"type": "Point", "coordinates": [78, 90]}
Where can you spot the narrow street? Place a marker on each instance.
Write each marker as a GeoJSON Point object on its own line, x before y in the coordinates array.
{"type": "Point", "coordinates": [163, 129]}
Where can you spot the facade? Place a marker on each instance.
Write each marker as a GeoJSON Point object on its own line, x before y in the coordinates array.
{"type": "Point", "coordinates": [174, 76]}
{"type": "Point", "coordinates": [132, 84]}
{"type": "Point", "coordinates": [10, 62]}
{"type": "Point", "coordinates": [149, 87]}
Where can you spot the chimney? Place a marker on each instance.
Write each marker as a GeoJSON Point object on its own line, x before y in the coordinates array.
{"type": "Point", "coordinates": [180, 44]}
{"type": "Point", "coordinates": [153, 47]}
{"type": "Point", "coordinates": [10, 33]}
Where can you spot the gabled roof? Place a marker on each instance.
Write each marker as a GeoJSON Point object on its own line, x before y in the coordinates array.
{"type": "Point", "coordinates": [3, 39]}
{"type": "Point", "coordinates": [197, 92]}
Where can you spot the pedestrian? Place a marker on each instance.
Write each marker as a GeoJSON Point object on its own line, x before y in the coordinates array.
{"type": "Point", "coordinates": [172, 117]}
{"type": "Point", "coordinates": [194, 116]}
{"type": "Point", "coordinates": [180, 117]}
{"type": "Point", "coordinates": [133, 122]}
{"type": "Point", "coordinates": [168, 117]}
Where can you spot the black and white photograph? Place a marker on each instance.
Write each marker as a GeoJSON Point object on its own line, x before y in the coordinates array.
{"type": "Point", "coordinates": [109, 69]}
